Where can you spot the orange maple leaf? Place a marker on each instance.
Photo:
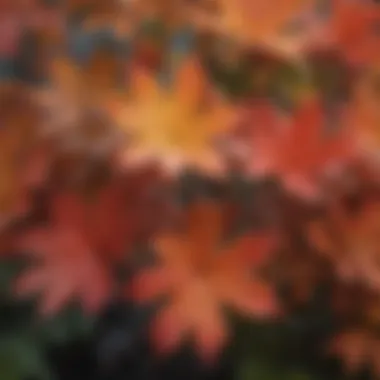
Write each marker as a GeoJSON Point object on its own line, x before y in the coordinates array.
{"type": "Point", "coordinates": [11, 33]}
{"type": "Point", "coordinates": [358, 349]}
{"type": "Point", "coordinates": [73, 103]}
{"type": "Point", "coordinates": [200, 277]}
{"type": "Point", "coordinates": [256, 23]}
{"type": "Point", "coordinates": [351, 241]}
{"type": "Point", "coordinates": [364, 114]}
{"type": "Point", "coordinates": [352, 29]}
{"type": "Point", "coordinates": [175, 126]}
{"type": "Point", "coordinates": [295, 147]}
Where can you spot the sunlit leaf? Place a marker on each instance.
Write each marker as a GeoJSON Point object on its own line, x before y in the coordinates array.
{"type": "Point", "coordinates": [175, 126]}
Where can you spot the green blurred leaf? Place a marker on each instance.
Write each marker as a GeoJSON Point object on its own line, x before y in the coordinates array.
{"type": "Point", "coordinates": [68, 324]}
{"type": "Point", "coordinates": [21, 356]}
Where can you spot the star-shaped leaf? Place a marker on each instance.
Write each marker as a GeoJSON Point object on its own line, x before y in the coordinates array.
{"type": "Point", "coordinates": [295, 147]}
{"type": "Point", "coordinates": [200, 276]}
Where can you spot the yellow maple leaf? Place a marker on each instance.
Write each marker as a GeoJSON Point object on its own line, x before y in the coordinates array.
{"type": "Point", "coordinates": [175, 125]}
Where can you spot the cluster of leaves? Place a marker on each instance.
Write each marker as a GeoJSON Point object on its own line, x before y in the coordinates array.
{"type": "Point", "coordinates": [197, 156]}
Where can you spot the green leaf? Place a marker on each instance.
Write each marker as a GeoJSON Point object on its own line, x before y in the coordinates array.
{"type": "Point", "coordinates": [21, 357]}
{"type": "Point", "coordinates": [65, 325]}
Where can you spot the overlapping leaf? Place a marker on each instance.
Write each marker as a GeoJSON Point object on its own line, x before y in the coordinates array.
{"type": "Point", "coordinates": [296, 148]}
{"type": "Point", "coordinates": [76, 251]}
{"type": "Point", "coordinates": [200, 276]}
{"type": "Point", "coordinates": [25, 158]}
{"type": "Point", "coordinates": [353, 31]}
{"type": "Point", "coordinates": [351, 241]}
{"type": "Point", "coordinates": [258, 24]}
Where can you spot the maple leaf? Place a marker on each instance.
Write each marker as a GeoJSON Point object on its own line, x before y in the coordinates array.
{"type": "Point", "coordinates": [11, 32]}
{"type": "Point", "coordinates": [47, 20]}
{"type": "Point", "coordinates": [352, 30]}
{"type": "Point", "coordinates": [299, 272]}
{"type": "Point", "coordinates": [351, 241]}
{"type": "Point", "coordinates": [72, 103]}
{"type": "Point", "coordinates": [200, 277]}
{"type": "Point", "coordinates": [25, 160]}
{"type": "Point", "coordinates": [295, 147]}
{"type": "Point", "coordinates": [260, 24]}
{"type": "Point", "coordinates": [75, 84]}
{"type": "Point", "coordinates": [68, 269]}
{"type": "Point", "coordinates": [86, 236]}
{"type": "Point", "coordinates": [67, 262]}
{"type": "Point", "coordinates": [364, 115]}
{"type": "Point", "coordinates": [63, 98]}
{"type": "Point", "coordinates": [18, 16]}
{"type": "Point", "coordinates": [126, 212]}
{"type": "Point", "coordinates": [358, 349]}
{"type": "Point", "coordinates": [175, 126]}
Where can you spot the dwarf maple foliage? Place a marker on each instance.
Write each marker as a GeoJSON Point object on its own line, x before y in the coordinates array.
{"type": "Point", "coordinates": [117, 117]}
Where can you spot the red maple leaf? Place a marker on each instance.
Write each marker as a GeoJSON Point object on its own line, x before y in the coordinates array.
{"type": "Point", "coordinates": [25, 158]}
{"type": "Point", "coordinates": [352, 29]}
{"type": "Point", "coordinates": [85, 238]}
{"type": "Point", "coordinates": [17, 16]}
{"type": "Point", "coordinates": [358, 349]}
{"type": "Point", "coordinates": [295, 148]}
{"type": "Point", "coordinates": [68, 262]}
{"type": "Point", "coordinates": [10, 31]}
